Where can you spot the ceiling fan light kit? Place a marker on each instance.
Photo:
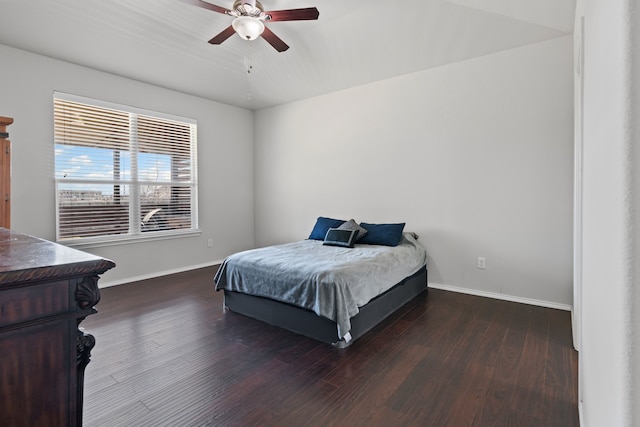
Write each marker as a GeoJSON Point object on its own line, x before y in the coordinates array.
{"type": "Point", "coordinates": [247, 27]}
{"type": "Point", "coordinates": [249, 18]}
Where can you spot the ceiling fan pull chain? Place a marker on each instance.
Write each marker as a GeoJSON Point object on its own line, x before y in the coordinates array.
{"type": "Point", "coordinates": [248, 60]}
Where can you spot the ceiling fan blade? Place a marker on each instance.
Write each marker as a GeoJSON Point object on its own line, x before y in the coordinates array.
{"type": "Point", "coordinates": [274, 40]}
{"type": "Point", "coordinates": [308, 13]}
{"type": "Point", "coordinates": [223, 35]}
{"type": "Point", "coordinates": [208, 6]}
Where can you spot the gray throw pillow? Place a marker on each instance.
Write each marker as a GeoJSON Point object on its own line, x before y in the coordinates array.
{"type": "Point", "coordinates": [353, 225]}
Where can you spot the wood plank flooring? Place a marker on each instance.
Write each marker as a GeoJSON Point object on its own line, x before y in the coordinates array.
{"type": "Point", "coordinates": [168, 354]}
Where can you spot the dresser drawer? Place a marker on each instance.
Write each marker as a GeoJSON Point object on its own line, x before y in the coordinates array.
{"type": "Point", "coordinates": [22, 304]}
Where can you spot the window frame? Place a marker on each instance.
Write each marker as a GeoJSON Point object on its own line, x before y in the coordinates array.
{"type": "Point", "coordinates": [134, 233]}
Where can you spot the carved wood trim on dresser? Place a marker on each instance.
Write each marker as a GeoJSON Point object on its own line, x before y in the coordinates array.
{"type": "Point", "coordinates": [46, 290]}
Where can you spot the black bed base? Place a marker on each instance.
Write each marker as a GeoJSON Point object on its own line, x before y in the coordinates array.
{"type": "Point", "coordinates": [307, 323]}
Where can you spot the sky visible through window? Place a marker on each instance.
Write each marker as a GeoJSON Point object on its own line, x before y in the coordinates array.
{"type": "Point", "coordinates": [90, 163]}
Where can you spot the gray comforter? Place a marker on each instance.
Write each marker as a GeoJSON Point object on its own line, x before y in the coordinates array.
{"type": "Point", "coordinates": [331, 281]}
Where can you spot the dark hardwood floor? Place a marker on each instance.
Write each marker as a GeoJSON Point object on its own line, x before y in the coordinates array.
{"type": "Point", "coordinates": [167, 354]}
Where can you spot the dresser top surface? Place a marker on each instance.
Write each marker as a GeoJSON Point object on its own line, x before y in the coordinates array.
{"type": "Point", "coordinates": [24, 258]}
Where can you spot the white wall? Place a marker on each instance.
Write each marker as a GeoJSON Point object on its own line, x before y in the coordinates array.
{"type": "Point", "coordinates": [475, 156]}
{"type": "Point", "coordinates": [609, 353]}
{"type": "Point", "coordinates": [634, 307]}
{"type": "Point", "coordinates": [225, 153]}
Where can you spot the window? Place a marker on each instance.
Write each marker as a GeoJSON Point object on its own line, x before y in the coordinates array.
{"type": "Point", "coordinates": [122, 173]}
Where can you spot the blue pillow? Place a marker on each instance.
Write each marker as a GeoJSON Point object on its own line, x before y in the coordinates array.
{"type": "Point", "coordinates": [382, 234]}
{"type": "Point", "coordinates": [323, 225]}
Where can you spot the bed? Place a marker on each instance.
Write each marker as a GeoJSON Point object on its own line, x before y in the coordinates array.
{"type": "Point", "coordinates": [330, 293]}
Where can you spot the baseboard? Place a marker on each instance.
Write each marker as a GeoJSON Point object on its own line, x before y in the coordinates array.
{"type": "Point", "coordinates": [157, 274]}
{"type": "Point", "coordinates": [580, 418]}
{"type": "Point", "coordinates": [504, 297]}
{"type": "Point", "coordinates": [574, 331]}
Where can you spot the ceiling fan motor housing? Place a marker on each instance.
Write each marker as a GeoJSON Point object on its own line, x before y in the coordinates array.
{"type": "Point", "coordinates": [248, 7]}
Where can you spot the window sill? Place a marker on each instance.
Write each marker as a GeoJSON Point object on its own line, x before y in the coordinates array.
{"type": "Point", "coordinates": [88, 243]}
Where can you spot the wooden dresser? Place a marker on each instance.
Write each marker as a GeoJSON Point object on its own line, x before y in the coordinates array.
{"type": "Point", "coordinates": [46, 290]}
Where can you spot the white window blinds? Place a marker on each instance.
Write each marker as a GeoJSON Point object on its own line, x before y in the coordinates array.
{"type": "Point", "coordinates": [121, 172]}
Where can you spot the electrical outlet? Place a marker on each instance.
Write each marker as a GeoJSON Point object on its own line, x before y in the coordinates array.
{"type": "Point", "coordinates": [482, 262]}
{"type": "Point", "coordinates": [210, 243]}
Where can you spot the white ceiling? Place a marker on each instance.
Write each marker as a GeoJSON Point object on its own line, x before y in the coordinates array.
{"type": "Point", "coordinates": [164, 42]}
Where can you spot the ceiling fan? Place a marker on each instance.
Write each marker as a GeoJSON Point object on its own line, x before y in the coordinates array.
{"type": "Point", "coordinates": [249, 18]}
